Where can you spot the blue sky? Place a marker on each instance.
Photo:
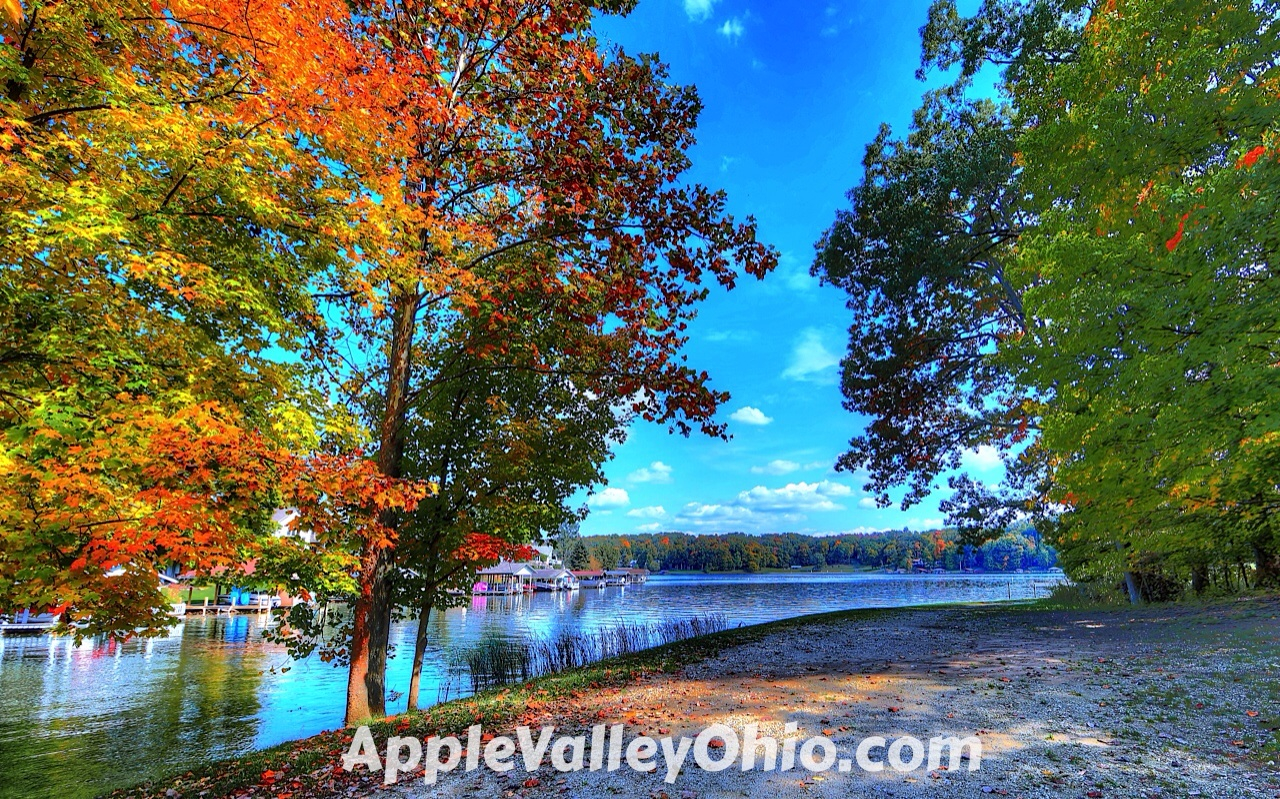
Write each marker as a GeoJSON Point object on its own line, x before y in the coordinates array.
{"type": "Point", "coordinates": [792, 93]}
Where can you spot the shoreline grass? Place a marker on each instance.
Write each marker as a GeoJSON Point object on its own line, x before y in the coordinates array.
{"type": "Point", "coordinates": [495, 662]}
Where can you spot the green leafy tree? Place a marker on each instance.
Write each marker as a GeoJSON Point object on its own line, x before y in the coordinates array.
{"type": "Point", "coordinates": [506, 449]}
{"type": "Point", "coordinates": [607, 554]}
{"type": "Point", "coordinates": [923, 254]}
{"type": "Point", "coordinates": [1141, 159]}
{"type": "Point", "coordinates": [579, 558]}
{"type": "Point", "coordinates": [1151, 267]}
{"type": "Point", "coordinates": [564, 538]}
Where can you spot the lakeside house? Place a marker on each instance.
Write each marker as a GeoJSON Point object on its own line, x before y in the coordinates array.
{"type": "Point", "coordinates": [504, 578]}
{"type": "Point", "coordinates": [546, 556]}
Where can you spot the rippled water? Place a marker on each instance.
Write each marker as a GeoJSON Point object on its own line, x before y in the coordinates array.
{"type": "Point", "coordinates": [76, 721]}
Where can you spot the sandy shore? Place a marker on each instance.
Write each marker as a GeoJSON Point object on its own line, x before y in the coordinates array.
{"type": "Point", "coordinates": [1157, 702]}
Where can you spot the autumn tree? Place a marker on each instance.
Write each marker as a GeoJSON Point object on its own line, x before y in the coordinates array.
{"type": "Point", "coordinates": [157, 239]}
{"type": "Point", "coordinates": [213, 190]}
{"type": "Point", "coordinates": [470, 131]}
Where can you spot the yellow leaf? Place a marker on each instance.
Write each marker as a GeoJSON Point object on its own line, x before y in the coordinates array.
{"type": "Point", "coordinates": [14, 9]}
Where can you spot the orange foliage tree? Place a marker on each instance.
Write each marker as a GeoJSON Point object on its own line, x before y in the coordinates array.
{"type": "Point", "coordinates": [190, 188]}
{"type": "Point", "coordinates": [497, 157]}
{"type": "Point", "coordinates": [157, 238]}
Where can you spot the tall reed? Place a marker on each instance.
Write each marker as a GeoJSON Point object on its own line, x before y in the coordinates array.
{"type": "Point", "coordinates": [500, 661]}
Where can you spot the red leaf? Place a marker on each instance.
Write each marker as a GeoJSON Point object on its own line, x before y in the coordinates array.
{"type": "Point", "coordinates": [1250, 158]}
{"type": "Point", "coordinates": [1172, 243]}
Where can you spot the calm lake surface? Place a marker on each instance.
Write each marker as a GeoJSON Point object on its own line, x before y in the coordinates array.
{"type": "Point", "coordinates": [77, 721]}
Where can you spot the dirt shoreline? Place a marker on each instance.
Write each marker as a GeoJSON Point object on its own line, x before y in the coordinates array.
{"type": "Point", "coordinates": [1166, 701]}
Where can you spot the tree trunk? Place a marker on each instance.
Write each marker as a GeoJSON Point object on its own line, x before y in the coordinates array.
{"type": "Point", "coordinates": [1199, 578]}
{"type": "Point", "coordinates": [366, 677]}
{"type": "Point", "coordinates": [371, 622]}
{"type": "Point", "coordinates": [1131, 585]}
{"type": "Point", "coordinates": [1267, 561]}
{"type": "Point", "coordinates": [419, 653]}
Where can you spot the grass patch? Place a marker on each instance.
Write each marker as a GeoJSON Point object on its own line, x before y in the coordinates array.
{"type": "Point", "coordinates": [1080, 596]}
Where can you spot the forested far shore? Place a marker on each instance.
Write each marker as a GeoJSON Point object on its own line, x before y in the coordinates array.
{"type": "Point", "coordinates": [1019, 549]}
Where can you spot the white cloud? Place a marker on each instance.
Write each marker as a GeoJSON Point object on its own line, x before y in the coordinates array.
{"type": "Point", "coordinates": [867, 502]}
{"type": "Point", "coordinates": [783, 466]}
{"type": "Point", "coordinates": [698, 9]}
{"type": "Point", "coordinates": [732, 29]}
{"type": "Point", "coordinates": [650, 512]}
{"type": "Point", "coordinates": [927, 524]}
{"type": "Point", "coordinates": [800, 280]}
{"type": "Point", "coordinates": [750, 415]}
{"type": "Point", "coordinates": [777, 467]}
{"type": "Point", "coordinates": [796, 497]}
{"type": "Point", "coordinates": [734, 336]}
{"type": "Point", "coordinates": [698, 515]}
{"type": "Point", "coordinates": [651, 527]}
{"type": "Point", "coordinates": [811, 361]}
{"type": "Point", "coordinates": [763, 509]}
{"type": "Point", "coordinates": [793, 273]}
{"type": "Point", "coordinates": [609, 498]}
{"type": "Point", "coordinates": [983, 458]}
{"type": "Point", "coordinates": [656, 472]}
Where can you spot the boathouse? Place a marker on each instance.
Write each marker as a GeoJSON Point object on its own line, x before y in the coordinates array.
{"type": "Point", "coordinates": [504, 578]}
{"type": "Point", "coordinates": [554, 580]}
{"type": "Point", "coordinates": [588, 578]}
{"type": "Point", "coordinates": [626, 576]}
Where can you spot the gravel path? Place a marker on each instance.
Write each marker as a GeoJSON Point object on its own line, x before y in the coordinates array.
{"type": "Point", "coordinates": [1159, 702]}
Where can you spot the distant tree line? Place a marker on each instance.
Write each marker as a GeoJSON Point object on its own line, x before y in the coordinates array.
{"type": "Point", "coordinates": [896, 549]}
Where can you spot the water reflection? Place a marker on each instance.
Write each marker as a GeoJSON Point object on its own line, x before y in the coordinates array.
{"type": "Point", "coordinates": [75, 721]}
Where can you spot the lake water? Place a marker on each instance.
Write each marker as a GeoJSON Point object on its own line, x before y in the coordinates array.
{"type": "Point", "coordinates": [77, 721]}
